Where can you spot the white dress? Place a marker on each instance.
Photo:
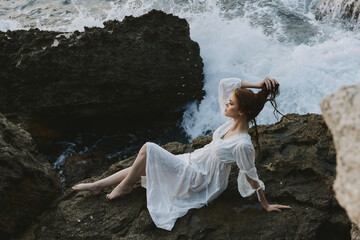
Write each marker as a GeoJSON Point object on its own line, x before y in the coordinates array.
{"type": "Point", "coordinates": [176, 183]}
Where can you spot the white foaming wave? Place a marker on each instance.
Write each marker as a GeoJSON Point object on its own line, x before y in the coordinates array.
{"type": "Point", "coordinates": [84, 19]}
{"type": "Point", "coordinates": [12, 25]}
{"type": "Point", "coordinates": [226, 48]}
{"type": "Point", "coordinates": [306, 72]}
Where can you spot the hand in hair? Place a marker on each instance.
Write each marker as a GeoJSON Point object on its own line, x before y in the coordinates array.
{"type": "Point", "coordinates": [268, 82]}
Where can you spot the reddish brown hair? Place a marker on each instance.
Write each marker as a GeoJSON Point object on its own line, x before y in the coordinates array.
{"type": "Point", "coordinates": [252, 103]}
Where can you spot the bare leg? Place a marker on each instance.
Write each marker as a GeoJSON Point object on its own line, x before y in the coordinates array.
{"type": "Point", "coordinates": [136, 170]}
{"type": "Point", "coordinates": [96, 187]}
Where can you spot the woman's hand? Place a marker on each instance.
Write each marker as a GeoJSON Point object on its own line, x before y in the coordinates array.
{"type": "Point", "coordinates": [276, 207]}
{"type": "Point", "coordinates": [269, 82]}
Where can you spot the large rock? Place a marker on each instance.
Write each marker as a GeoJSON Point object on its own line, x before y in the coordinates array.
{"type": "Point", "coordinates": [339, 9]}
{"type": "Point", "coordinates": [137, 69]}
{"type": "Point", "coordinates": [79, 167]}
{"type": "Point", "coordinates": [355, 233]}
{"type": "Point", "coordinates": [341, 112]}
{"type": "Point", "coordinates": [28, 184]}
{"type": "Point", "coordinates": [297, 164]}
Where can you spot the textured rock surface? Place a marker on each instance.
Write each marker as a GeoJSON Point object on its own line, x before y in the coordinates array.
{"type": "Point", "coordinates": [80, 167]}
{"type": "Point", "coordinates": [341, 111]}
{"type": "Point", "coordinates": [340, 9]}
{"type": "Point", "coordinates": [97, 75]}
{"type": "Point", "coordinates": [355, 233]}
{"type": "Point", "coordinates": [297, 164]}
{"type": "Point", "coordinates": [28, 184]}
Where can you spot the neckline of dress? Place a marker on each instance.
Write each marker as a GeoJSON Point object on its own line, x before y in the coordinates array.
{"type": "Point", "coordinates": [233, 135]}
{"type": "Point", "coordinates": [229, 122]}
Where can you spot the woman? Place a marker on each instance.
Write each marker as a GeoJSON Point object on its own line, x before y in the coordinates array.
{"type": "Point", "coordinates": [176, 183]}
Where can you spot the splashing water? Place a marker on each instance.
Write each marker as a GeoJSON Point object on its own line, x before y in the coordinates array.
{"type": "Point", "coordinates": [249, 40]}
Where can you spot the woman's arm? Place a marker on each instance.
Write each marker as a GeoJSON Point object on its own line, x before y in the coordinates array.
{"type": "Point", "coordinates": [226, 88]}
{"type": "Point", "coordinates": [269, 82]}
{"type": "Point", "coordinates": [268, 207]}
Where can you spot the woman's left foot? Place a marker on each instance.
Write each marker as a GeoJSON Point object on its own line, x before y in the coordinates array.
{"type": "Point", "coordinates": [118, 192]}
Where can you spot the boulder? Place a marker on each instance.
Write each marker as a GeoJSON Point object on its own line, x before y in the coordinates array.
{"type": "Point", "coordinates": [297, 164]}
{"type": "Point", "coordinates": [341, 111]}
{"type": "Point", "coordinates": [28, 184]}
{"type": "Point", "coordinates": [139, 69]}
{"type": "Point", "coordinates": [348, 10]}
{"type": "Point", "coordinates": [355, 232]}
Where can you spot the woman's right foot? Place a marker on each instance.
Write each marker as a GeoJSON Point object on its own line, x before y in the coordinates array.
{"type": "Point", "coordinates": [92, 187]}
{"type": "Point", "coordinates": [119, 191]}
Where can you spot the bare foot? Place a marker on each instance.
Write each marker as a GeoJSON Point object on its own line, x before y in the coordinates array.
{"type": "Point", "coordinates": [118, 192]}
{"type": "Point", "coordinates": [92, 187]}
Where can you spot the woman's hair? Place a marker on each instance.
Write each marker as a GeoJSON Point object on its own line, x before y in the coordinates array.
{"type": "Point", "coordinates": [252, 103]}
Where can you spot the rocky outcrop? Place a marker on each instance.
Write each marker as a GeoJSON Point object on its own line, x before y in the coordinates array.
{"type": "Point", "coordinates": [339, 9]}
{"type": "Point", "coordinates": [80, 167]}
{"type": "Point", "coordinates": [341, 112]}
{"type": "Point", "coordinates": [355, 233]}
{"type": "Point", "coordinates": [297, 164]}
{"type": "Point", "coordinates": [128, 71]}
{"type": "Point", "coordinates": [28, 184]}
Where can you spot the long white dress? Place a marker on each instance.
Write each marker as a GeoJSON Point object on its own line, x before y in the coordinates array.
{"type": "Point", "coordinates": [176, 183]}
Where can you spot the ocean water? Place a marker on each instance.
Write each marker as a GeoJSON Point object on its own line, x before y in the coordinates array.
{"type": "Point", "coordinates": [249, 39]}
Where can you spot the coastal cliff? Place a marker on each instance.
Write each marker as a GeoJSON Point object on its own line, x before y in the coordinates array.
{"type": "Point", "coordinates": [117, 74]}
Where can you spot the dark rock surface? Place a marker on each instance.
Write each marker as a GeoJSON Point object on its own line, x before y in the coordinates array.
{"type": "Point", "coordinates": [297, 165]}
{"type": "Point", "coordinates": [80, 167]}
{"type": "Point", "coordinates": [128, 71]}
{"type": "Point", "coordinates": [28, 184]}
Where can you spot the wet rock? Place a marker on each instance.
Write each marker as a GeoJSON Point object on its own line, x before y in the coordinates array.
{"type": "Point", "coordinates": [297, 164]}
{"type": "Point", "coordinates": [339, 9]}
{"type": "Point", "coordinates": [355, 232]}
{"type": "Point", "coordinates": [200, 142]}
{"type": "Point", "coordinates": [28, 184]}
{"type": "Point", "coordinates": [341, 112]}
{"type": "Point", "coordinates": [145, 67]}
{"type": "Point", "coordinates": [80, 167]}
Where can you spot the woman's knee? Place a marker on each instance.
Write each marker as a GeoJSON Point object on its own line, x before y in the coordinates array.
{"type": "Point", "coordinates": [143, 149]}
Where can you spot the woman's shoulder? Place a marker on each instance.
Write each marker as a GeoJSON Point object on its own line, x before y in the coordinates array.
{"type": "Point", "coordinates": [244, 142]}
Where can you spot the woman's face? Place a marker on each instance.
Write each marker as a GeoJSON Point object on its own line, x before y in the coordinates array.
{"type": "Point", "coordinates": [232, 107]}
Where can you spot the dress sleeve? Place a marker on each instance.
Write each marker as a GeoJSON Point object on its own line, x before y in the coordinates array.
{"type": "Point", "coordinates": [244, 154]}
{"type": "Point", "coordinates": [226, 87]}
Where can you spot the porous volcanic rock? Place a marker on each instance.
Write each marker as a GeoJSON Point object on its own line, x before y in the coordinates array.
{"type": "Point", "coordinates": [297, 164]}
{"type": "Point", "coordinates": [28, 184]}
{"type": "Point", "coordinates": [137, 69]}
{"type": "Point", "coordinates": [341, 111]}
